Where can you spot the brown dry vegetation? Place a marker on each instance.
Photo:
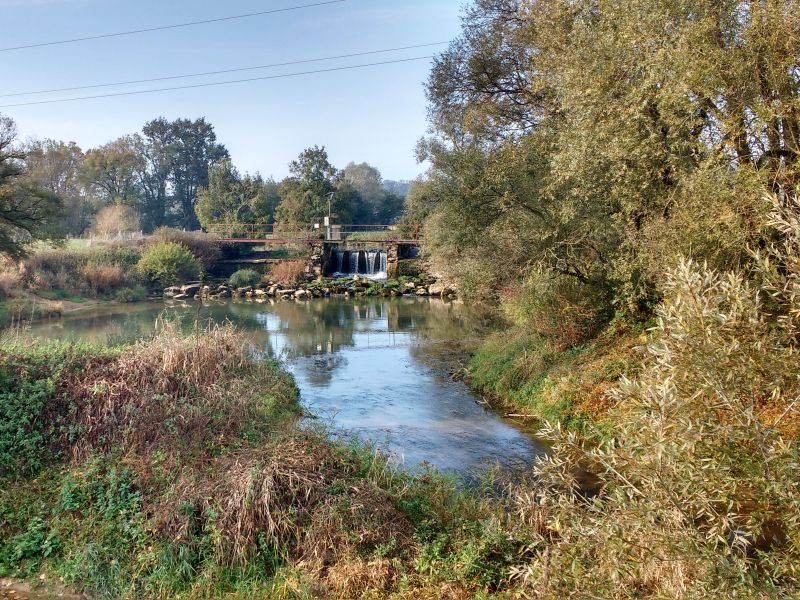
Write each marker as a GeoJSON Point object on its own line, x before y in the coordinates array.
{"type": "Point", "coordinates": [288, 272]}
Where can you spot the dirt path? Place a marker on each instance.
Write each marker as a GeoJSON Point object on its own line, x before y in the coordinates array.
{"type": "Point", "coordinates": [17, 589]}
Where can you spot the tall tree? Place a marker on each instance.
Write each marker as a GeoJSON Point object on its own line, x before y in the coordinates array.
{"type": "Point", "coordinates": [156, 146]}
{"type": "Point", "coordinates": [195, 149]}
{"type": "Point", "coordinates": [56, 166]}
{"type": "Point", "coordinates": [600, 139]}
{"type": "Point", "coordinates": [232, 198]}
{"type": "Point", "coordinates": [27, 211]}
{"type": "Point", "coordinates": [376, 204]}
{"type": "Point", "coordinates": [312, 183]}
{"type": "Point", "coordinates": [113, 170]}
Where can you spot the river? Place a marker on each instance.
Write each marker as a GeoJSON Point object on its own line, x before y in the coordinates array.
{"type": "Point", "coordinates": [376, 369]}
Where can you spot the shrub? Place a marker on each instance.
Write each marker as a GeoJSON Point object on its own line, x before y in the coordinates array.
{"type": "Point", "coordinates": [103, 279]}
{"type": "Point", "coordinates": [131, 294]}
{"type": "Point", "coordinates": [289, 271]}
{"type": "Point", "coordinates": [698, 493]}
{"type": "Point", "coordinates": [167, 264]}
{"type": "Point", "coordinates": [8, 283]}
{"type": "Point", "coordinates": [204, 246]}
{"type": "Point", "coordinates": [244, 277]}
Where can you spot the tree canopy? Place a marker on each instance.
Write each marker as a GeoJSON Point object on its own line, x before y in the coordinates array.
{"type": "Point", "coordinates": [28, 212]}
{"type": "Point", "coordinates": [602, 141]}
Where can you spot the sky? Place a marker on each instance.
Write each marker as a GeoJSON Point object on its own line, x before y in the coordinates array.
{"type": "Point", "coordinates": [374, 114]}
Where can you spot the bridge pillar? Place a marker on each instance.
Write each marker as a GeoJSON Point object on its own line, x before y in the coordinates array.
{"type": "Point", "coordinates": [392, 260]}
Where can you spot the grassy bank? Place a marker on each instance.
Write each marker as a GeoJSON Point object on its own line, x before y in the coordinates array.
{"type": "Point", "coordinates": [521, 373]}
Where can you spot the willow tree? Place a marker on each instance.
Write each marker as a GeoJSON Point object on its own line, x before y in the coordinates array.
{"type": "Point", "coordinates": [602, 140]}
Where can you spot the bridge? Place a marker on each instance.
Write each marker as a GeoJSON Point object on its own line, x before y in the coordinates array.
{"type": "Point", "coordinates": [248, 233]}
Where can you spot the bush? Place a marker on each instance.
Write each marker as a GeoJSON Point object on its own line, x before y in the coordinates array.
{"type": "Point", "coordinates": [167, 264]}
{"type": "Point", "coordinates": [204, 246]}
{"type": "Point", "coordinates": [131, 294]}
{"type": "Point", "coordinates": [289, 272]}
{"type": "Point", "coordinates": [8, 283]}
{"type": "Point", "coordinates": [244, 278]}
{"type": "Point", "coordinates": [103, 279]}
{"type": "Point", "coordinates": [699, 492]}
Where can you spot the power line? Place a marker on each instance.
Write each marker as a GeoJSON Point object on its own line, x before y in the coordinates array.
{"type": "Point", "coordinates": [216, 83]}
{"type": "Point", "coordinates": [237, 70]}
{"type": "Point", "coordinates": [175, 26]}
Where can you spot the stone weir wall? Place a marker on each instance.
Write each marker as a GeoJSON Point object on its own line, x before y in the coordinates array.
{"type": "Point", "coordinates": [396, 252]}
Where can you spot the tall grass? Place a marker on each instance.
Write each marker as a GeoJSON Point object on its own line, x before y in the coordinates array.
{"type": "Point", "coordinates": [288, 272]}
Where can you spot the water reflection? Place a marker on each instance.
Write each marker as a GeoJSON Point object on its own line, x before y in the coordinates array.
{"type": "Point", "coordinates": [375, 368]}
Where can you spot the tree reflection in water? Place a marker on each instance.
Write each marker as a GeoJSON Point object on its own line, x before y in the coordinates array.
{"type": "Point", "coordinates": [372, 367]}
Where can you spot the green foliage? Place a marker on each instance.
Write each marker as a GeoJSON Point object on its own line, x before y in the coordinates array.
{"type": "Point", "coordinates": [206, 248]}
{"type": "Point", "coordinates": [22, 404]}
{"type": "Point", "coordinates": [130, 295]}
{"type": "Point", "coordinates": [231, 198]}
{"type": "Point", "coordinates": [545, 156]}
{"type": "Point", "coordinates": [244, 278]}
{"type": "Point", "coordinates": [168, 263]}
{"type": "Point", "coordinates": [28, 212]}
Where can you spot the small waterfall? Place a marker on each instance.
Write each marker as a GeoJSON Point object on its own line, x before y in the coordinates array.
{"type": "Point", "coordinates": [371, 264]}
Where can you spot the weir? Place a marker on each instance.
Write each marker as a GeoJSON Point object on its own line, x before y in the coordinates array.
{"type": "Point", "coordinates": [371, 264]}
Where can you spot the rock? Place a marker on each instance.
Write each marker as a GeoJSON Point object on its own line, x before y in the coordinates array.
{"type": "Point", "coordinates": [301, 294]}
{"type": "Point", "coordinates": [273, 290]}
{"type": "Point", "coordinates": [191, 289]}
{"type": "Point", "coordinates": [181, 297]}
{"type": "Point", "coordinates": [260, 293]}
{"type": "Point", "coordinates": [285, 292]}
{"type": "Point", "coordinates": [422, 291]}
{"type": "Point", "coordinates": [437, 289]}
{"type": "Point", "coordinates": [409, 286]}
{"type": "Point", "coordinates": [224, 294]}
{"type": "Point", "coordinates": [244, 290]}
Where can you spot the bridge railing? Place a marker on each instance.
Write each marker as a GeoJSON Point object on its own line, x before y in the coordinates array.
{"type": "Point", "coordinates": [286, 233]}
{"type": "Point", "coordinates": [259, 231]}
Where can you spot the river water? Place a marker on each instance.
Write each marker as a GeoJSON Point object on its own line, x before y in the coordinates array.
{"type": "Point", "coordinates": [372, 368]}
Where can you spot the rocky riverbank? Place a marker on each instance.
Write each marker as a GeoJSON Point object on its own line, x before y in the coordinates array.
{"type": "Point", "coordinates": [356, 287]}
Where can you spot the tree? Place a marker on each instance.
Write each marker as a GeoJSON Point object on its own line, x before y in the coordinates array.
{"type": "Point", "coordinates": [375, 204]}
{"type": "Point", "coordinates": [113, 170]}
{"type": "Point", "coordinates": [305, 193]}
{"type": "Point", "coordinates": [115, 221]}
{"type": "Point", "coordinates": [156, 146]}
{"type": "Point", "coordinates": [27, 211]}
{"type": "Point", "coordinates": [600, 140]}
{"type": "Point", "coordinates": [194, 149]}
{"type": "Point", "coordinates": [233, 198]}
{"type": "Point", "coordinates": [56, 166]}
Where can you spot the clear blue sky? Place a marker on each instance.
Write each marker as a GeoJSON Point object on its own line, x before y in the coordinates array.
{"type": "Point", "coordinates": [375, 114]}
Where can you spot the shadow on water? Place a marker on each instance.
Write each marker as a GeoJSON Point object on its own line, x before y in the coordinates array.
{"type": "Point", "coordinates": [373, 368]}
